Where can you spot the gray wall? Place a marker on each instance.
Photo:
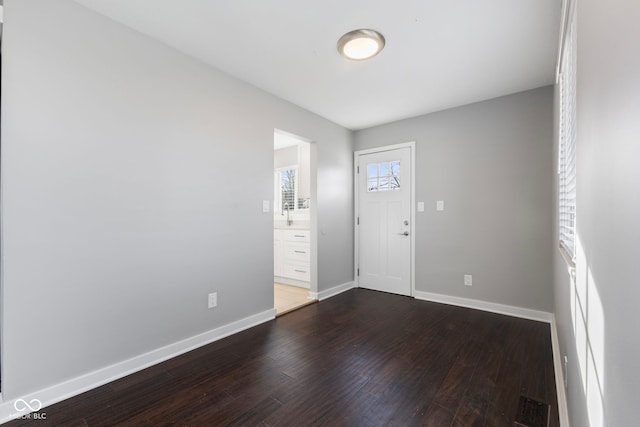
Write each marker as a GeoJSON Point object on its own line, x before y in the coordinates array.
{"type": "Point", "coordinates": [596, 315]}
{"type": "Point", "coordinates": [132, 185]}
{"type": "Point", "coordinates": [491, 163]}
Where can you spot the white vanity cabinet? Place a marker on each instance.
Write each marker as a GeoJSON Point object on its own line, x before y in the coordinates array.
{"type": "Point", "coordinates": [292, 261]}
{"type": "Point", "coordinates": [278, 258]}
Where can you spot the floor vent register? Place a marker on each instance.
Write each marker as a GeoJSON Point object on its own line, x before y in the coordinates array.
{"type": "Point", "coordinates": [532, 413]}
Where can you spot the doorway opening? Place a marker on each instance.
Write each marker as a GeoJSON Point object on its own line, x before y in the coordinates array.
{"type": "Point", "coordinates": [294, 222]}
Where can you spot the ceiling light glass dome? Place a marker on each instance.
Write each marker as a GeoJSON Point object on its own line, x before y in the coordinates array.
{"type": "Point", "coordinates": [362, 44]}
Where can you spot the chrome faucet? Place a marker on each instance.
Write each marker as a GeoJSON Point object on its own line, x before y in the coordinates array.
{"type": "Point", "coordinates": [286, 207]}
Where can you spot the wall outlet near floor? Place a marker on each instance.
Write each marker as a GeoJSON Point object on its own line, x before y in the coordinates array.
{"type": "Point", "coordinates": [468, 280]}
{"type": "Point", "coordinates": [213, 299]}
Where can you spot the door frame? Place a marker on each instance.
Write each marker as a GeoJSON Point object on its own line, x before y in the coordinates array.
{"type": "Point", "coordinates": [356, 192]}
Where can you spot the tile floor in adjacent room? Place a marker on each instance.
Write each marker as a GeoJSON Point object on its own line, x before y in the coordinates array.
{"type": "Point", "coordinates": [288, 298]}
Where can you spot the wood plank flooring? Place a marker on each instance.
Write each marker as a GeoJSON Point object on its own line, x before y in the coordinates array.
{"type": "Point", "coordinates": [362, 358]}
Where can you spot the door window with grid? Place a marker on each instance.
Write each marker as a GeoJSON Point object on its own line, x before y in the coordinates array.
{"type": "Point", "coordinates": [383, 176]}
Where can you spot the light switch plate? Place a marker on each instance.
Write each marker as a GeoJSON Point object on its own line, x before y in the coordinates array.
{"type": "Point", "coordinates": [420, 206]}
{"type": "Point", "coordinates": [440, 205]}
{"type": "Point", "coordinates": [213, 300]}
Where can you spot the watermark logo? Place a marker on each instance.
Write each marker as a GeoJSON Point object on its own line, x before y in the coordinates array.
{"type": "Point", "coordinates": [22, 405]}
{"type": "Point", "coordinates": [28, 410]}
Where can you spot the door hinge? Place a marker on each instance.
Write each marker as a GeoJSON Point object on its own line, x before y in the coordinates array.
{"type": "Point", "coordinates": [358, 272]}
{"type": "Point", "coordinates": [358, 221]}
{"type": "Point", "coordinates": [358, 169]}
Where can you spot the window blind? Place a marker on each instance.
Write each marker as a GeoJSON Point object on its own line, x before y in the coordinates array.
{"type": "Point", "coordinates": [567, 155]}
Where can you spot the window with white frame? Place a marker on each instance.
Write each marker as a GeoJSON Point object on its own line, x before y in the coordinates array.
{"type": "Point", "coordinates": [567, 146]}
{"type": "Point", "coordinates": [286, 184]}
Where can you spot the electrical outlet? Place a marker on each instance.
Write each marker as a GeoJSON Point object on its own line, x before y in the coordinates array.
{"type": "Point", "coordinates": [213, 299]}
{"type": "Point", "coordinates": [468, 280]}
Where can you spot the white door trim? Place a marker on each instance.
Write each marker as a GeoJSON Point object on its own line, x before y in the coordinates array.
{"type": "Point", "coordinates": [356, 190]}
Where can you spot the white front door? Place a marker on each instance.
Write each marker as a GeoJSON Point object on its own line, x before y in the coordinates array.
{"type": "Point", "coordinates": [384, 220]}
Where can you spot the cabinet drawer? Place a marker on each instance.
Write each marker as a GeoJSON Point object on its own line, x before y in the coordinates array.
{"type": "Point", "coordinates": [296, 235]}
{"type": "Point", "coordinates": [297, 252]}
{"type": "Point", "coordinates": [298, 272]}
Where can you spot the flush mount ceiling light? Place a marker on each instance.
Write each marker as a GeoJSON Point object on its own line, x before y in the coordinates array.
{"type": "Point", "coordinates": [359, 45]}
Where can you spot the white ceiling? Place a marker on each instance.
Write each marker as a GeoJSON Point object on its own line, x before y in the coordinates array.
{"type": "Point", "coordinates": [439, 53]}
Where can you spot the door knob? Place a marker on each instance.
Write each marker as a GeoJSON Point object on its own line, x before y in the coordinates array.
{"type": "Point", "coordinates": [406, 233]}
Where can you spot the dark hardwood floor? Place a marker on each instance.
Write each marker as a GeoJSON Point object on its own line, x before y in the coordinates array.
{"type": "Point", "coordinates": [362, 358]}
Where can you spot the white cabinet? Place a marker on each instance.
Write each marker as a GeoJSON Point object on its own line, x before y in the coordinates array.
{"type": "Point", "coordinates": [278, 258]}
{"type": "Point", "coordinates": [296, 236]}
{"type": "Point", "coordinates": [291, 256]}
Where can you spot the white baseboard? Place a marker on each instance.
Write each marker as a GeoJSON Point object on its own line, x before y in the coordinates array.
{"type": "Point", "coordinates": [291, 282]}
{"type": "Point", "coordinates": [75, 386]}
{"type": "Point", "coordinates": [331, 292]}
{"type": "Point", "coordinates": [563, 409]}
{"type": "Point", "coordinates": [525, 313]}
